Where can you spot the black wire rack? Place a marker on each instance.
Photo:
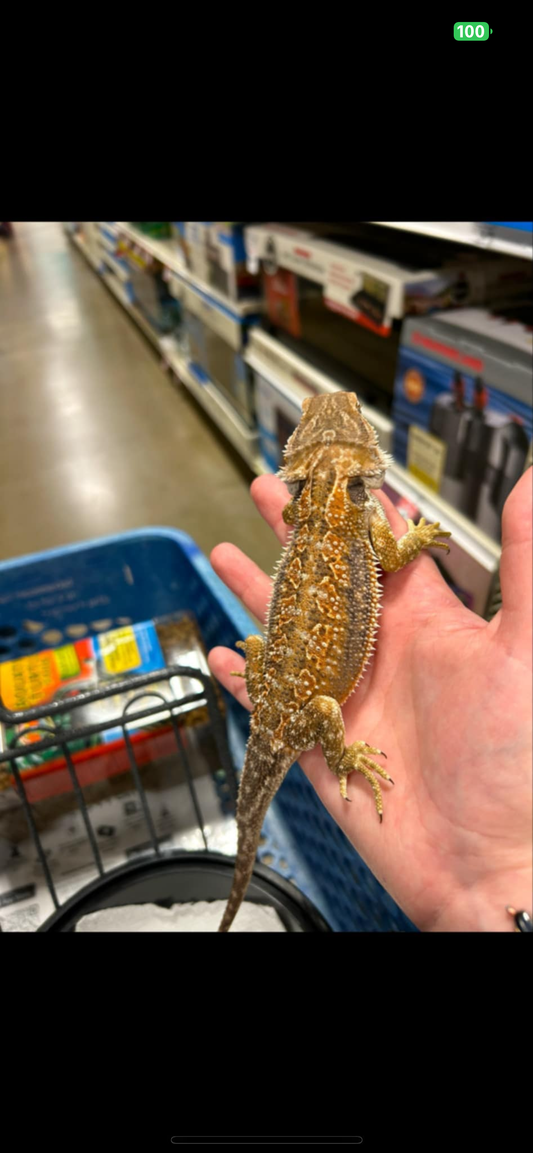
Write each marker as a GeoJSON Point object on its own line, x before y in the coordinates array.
{"type": "Point", "coordinates": [61, 739]}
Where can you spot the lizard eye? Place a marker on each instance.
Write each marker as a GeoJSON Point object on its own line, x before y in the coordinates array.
{"type": "Point", "coordinates": [295, 488]}
{"type": "Point", "coordinates": [357, 491]}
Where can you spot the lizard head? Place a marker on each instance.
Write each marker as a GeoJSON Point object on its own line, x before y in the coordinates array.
{"type": "Point", "coordinates": [333, 431]}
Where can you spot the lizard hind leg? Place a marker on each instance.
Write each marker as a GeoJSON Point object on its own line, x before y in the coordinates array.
{"type": "Point", "coordinates": [320, 722]}
{"type": "Point", "coordinates": [254, 651]}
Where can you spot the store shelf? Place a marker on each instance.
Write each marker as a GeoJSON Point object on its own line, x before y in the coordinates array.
{"type": "Point", "coordinates": [120, 272]}
{"type": "Point", "coordinates": [220, 411]}
{"type": "Point", "coordinates": [167, 253]}
{"type": "Point", "coordinates": [109, 227]}
{"type": "Point", "coordinates": [478, 545]}
{"type": "Point", "coordinates": [118, 290]}
{"type": "Point", "coordinates": [466, 232]}
{"type": "Point", "coordinates": [84, 247]}
{"type": "Point", "coordinates": [218, 408]}
{"type": "Point", "coordinates": [107, 242]}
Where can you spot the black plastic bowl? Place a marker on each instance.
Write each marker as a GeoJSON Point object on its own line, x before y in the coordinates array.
{"type": "Point", "coordinates": [181, 877]}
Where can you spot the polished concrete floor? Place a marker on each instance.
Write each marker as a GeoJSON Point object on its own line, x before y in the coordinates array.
{"type": "Point", "coordinates": [94, 436]}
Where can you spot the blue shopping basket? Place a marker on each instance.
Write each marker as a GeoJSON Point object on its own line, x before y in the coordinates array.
{"type": "Point", "coordinates": [48, 597]}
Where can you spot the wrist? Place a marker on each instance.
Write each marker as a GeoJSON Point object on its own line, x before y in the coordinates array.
{"type": "Point", "coordinates": [483, 907]}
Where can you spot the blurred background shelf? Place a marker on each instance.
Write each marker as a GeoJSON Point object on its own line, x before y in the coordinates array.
{"type": "Point", "coordinates": [220, 411]}
{"type": "Point", "coordinates": [168, 254]}
{"type": "Point", "coordinates": [342, 308]}
{"type": "Point", "coordinates": [81, 243]}
{"type": "Point", "coordinates": [118, 290]}
{"type": "Point", "coordinates": [502, 237]}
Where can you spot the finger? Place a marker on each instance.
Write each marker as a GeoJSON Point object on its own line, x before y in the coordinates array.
{"type": "Point", "coordinates": [271, 496]}
{"type": "Point", "coordinates": [243, 577]}
{"type": "Point", "coordinates": [223, 662]}
{"type": "Point", "coordinates": [516, 561]}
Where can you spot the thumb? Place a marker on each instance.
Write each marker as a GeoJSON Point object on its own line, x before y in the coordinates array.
{"type": "Point", "coordinates": [516, 564]}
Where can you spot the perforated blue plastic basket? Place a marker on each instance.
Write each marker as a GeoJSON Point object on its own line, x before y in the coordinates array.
{"type": "Point", "coordinates": [151, 572]}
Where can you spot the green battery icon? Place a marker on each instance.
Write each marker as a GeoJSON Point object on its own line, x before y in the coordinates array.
{"type": "Point", "coordinates": [477, 31]}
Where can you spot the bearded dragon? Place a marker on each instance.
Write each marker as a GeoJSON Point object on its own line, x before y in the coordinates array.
{"type": "Point", "coordinates": [323, 614]}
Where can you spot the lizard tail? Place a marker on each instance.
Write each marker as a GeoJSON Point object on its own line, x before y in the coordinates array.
{"type": "Point", "coordinates": [260, 781]}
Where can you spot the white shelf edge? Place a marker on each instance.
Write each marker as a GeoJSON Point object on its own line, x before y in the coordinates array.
{"type": "Point", "coordinates": [83, 247]}
{"type": "Point", "coordinates": [462, 232]}
{"type": "Point", "coordinates": [218, 408]}
{"type": "Point", "coordinates": [121, 273]}
{"type": "Point", "coordinates": [164, 251]}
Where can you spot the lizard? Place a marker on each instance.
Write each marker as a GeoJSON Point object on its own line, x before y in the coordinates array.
{"type": "Point", "coordinates": [323, 614]}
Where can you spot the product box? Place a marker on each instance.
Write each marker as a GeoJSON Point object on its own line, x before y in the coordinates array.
{"type": "Point", "coordinates": [217, 338]}
{"type": "Point", "coordinates": [295, 307]}
{"type": "Point", "coordinates": [196, 238]}
{"type": "Point", "coordinates": [63, 673]}
{"type": "Point", "coordinates": [227, 267]}
{"type": "Point", "coordinates": [215, 252]}
{"type": "Point", "coordinates": [462, 407]}
{"type": "Point", "coordinates": [177, 232]}
{"type": "Point", "coordinates": [374, 291]}
{"type": "Point", "coordinates": [338, 298]}
{"type": "Point", "coordinates": [149, 288]}
{"type": "Point", "coordinates": [283, 380]}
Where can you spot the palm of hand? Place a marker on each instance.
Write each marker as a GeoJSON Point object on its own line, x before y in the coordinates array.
{"type": "Point", "coordinates": [447, 697]}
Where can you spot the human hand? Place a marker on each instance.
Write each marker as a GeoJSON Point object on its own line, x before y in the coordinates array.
{"type": "Point", "coordinates": [448, 697]}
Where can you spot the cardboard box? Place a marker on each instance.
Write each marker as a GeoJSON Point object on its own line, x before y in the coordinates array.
{"type": "Point", "coordinates": [65, 672]}
{"type": "Point", "coordinates": [227, 267]}
{"type": "Point", "coordinates": [374, 291]}
{"type": "Point", "coordinates": [196, 242]}
{"type": "Point", "coordinates": [217, 338]}
{"type": "Point", "coordinates": [215, 252]}
{"type": "Point", "coordinates": [296, 307]}
{"type": "Point", "coordinates": [149, 288]}
{"type": "Point", "coordinates": [462, 407]}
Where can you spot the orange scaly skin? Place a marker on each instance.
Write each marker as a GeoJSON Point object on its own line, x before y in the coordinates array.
{"type": "Point", "coordinates": [323, 614]}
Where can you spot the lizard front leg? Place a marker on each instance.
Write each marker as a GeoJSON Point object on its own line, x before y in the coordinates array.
{"type": "Point", "coordinates": [320, 722]}
{"type": "Point", "coordinates": [254, 651]}
{"type": "Point", "coordinates": [393, 554]}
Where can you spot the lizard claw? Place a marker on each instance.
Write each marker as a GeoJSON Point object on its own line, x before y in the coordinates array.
{"type": "Point", "coordinates": [430, 535]}
{"type": "Point", "coordinates": [377, 752]}
{"type": "Point", "coordinates": [356, 760]}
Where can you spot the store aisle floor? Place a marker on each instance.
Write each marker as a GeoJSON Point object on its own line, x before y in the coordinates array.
{"type": "Point", "coordinates": [94, 437]}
